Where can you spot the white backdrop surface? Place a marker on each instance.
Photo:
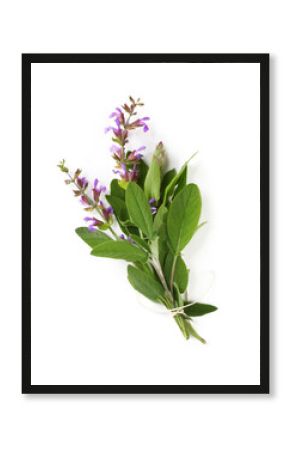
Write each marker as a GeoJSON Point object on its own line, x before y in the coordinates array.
{"type": "Point", "coordinates": [88, 325]}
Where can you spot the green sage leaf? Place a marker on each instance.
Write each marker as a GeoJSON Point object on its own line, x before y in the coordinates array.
{"type": "Point", "coordinates": [163, 241]}
{"type": "Point", "coordinates": [119, 206]}
{"type": "Point", "coordinates": [181, 182]}
{"type": "Point", "coordinates": [172, 185]}
{"type": "Point", "coordinates": [123, 184]}
{"type": "Point", "coordinates": [145, 268]}
{"type": "Point", "coordinates": [153, 181]}
{"type": "Point", "coordinates": [141, 242]}
{"type": "Point", "coordinates": [145, 283]}
{"type": "Point", "coordinates": [92, 238]}
{"type": "Point", "coordinates": [199, 309]}
{"type": "Point", "coordinates": [119, 250]}
{"type": "Point", "coordinates": [167, 178]}
{"type": "Point", "coordinates": [139, 210]}
{"type": "Point", "coordinates": [183, 216]}
{"type": "Point", "coordinates": [159, 218]}
{"type": "Point", "coordinates": [142, 172]}
{"type": "Point", "coordinates": [177, 295]}
{"type": "Point", "coordinates": [181, 175]}
{"type": "Point", "coordinates": [116, 190]}
{"type": "Point", "coordinates": [180, 272]}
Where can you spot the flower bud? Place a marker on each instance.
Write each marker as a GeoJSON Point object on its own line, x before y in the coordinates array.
{"type": "Point", "coordinates": [159, 154]}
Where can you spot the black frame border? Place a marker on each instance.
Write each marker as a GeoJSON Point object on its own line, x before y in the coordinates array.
{"type": "Point", "coordinates": [260, 58]}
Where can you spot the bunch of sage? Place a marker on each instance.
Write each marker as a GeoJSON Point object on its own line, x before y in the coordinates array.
{"type": "Point", "coordinates": [151, 216]}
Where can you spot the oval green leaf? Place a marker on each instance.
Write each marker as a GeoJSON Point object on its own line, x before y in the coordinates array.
{"type": "Point", "coordinates": [180, 272]}
{"type": "Point", "coordinates": [153, 181]}
{"type": "Point", "coordinates": [181, 183]}
{"type": "Point", "coordinates": [92, 238]}
{"type": "Point", "coordinates": [139, 210]}
{"type": "Point", "coordinates": [183, 217]}
{"type": "Point", "coordinates": [116, 190]}
{"type": "Point", "coordinates": [142, 169]}
{"type": "Point", "coordinates": [119, 207]}
{"type": "Point", "coordinates": [173, 183]}
{"type": "Point", "coordinates": [159, 218]}
{"type": "Point", "coordinates": [199, 309]}
{"type": "Point", "coordinates": [119, 250]}
{"type": "Point", "coordinates": [179, 178]}
{"type": "Point", "coordinates": [168, 176]}
{"type": "Point", "coordinates": [145, 283]}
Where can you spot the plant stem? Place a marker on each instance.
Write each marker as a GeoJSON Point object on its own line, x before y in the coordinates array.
{"type": "Point", "coordinates": [182, 325]}
{"type": "Point", "coordinates": [172, 272]}
{"type": "Point", "coordinates": [168, 301]}
{"type": "Point", "coordinates": [157, 266]}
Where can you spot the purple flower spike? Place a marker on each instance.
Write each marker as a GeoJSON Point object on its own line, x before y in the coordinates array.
{"type": "Point", "coordinates": [151, 201]}
{"type": "Point", "coordinates": [124, 122]}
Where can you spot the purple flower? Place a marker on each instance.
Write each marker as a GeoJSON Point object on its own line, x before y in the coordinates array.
{"type": "Point", "coordinates": [117, 152]}
{"type": "Point", "coordinates": [134, 173]}
{"type": "Point", "coordinates": [97, 190]}
{"type": "Point", "coordinates": [126, 173]}
{"type": "Point", "coordinates": [140, 149]}
{"type": "Point", "coordinates": [82, 182]}
{"type": "Point", "coordinates": [122, 171]}
{"type": "Point", "coordinates": [117, 131]}
{"type": "Point", "coordinates": [107, 212]}
{"type": "Point", "coordinates": [119, 121]}
{"type": "Point", "coordinates": [135, 154]}
{"type": "Point", "coordinates": [84, 200]}
{"type": "Point", "coordinates": [153, 208]}
{"type": "Point", "coordinates": [118, 114]}
{"type": "Point", "coordinates": [142, 123]}
{"type": "Point", "coordinates": [126, 238]}
{"type": "Point", "coordinates": [94, 223]}
{"type": "Point", "coordinates": [107, 129]}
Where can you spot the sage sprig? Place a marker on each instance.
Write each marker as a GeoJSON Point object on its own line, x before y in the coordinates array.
{"type": "Point", "coordinates": [147, 218]}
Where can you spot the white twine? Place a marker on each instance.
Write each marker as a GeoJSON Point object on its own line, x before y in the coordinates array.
{"type": "Point", "coordinates": [180, 309]}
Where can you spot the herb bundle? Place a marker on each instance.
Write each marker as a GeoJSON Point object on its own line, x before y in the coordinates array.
{"type": "Point", "coordinates": [156, 214]}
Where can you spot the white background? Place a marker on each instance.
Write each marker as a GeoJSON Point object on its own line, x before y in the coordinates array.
{"type": "Point", "coordinates": [87, 324]}
{"type": "Point", "coordinates": [73, 422]}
